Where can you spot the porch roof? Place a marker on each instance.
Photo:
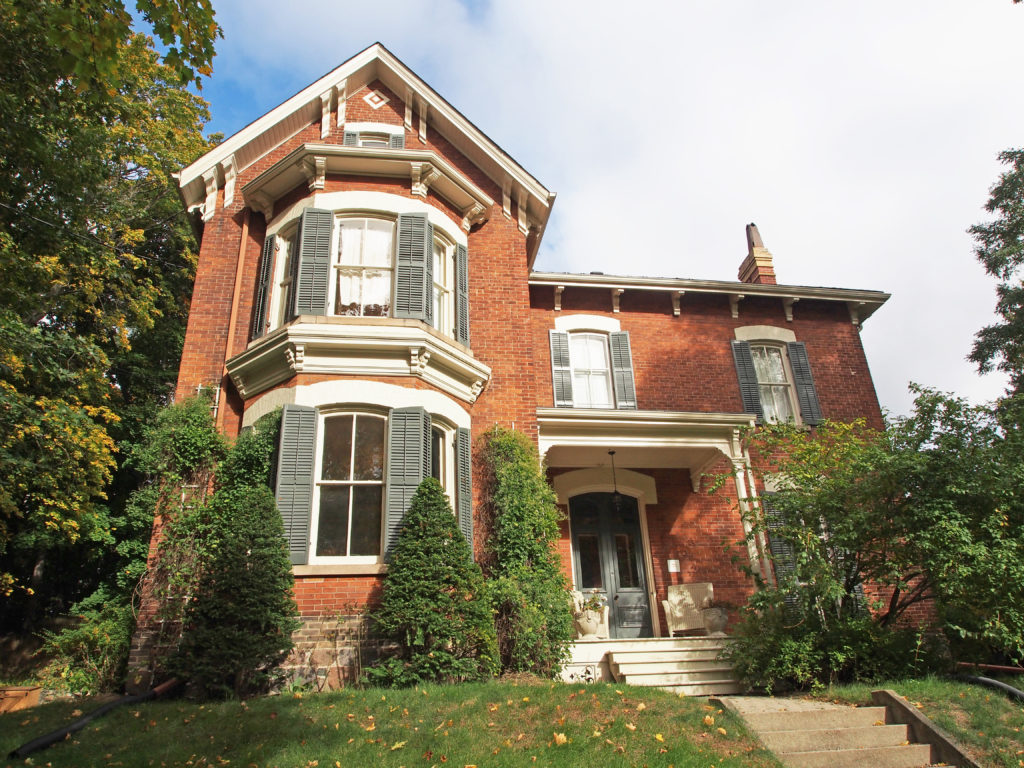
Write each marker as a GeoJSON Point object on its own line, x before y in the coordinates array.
{"type": "Point", "coordinates": [582, 437]}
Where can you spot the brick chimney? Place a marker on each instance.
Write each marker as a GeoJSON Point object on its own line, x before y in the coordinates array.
{"type": "Point", "coordinates": [757, 267]}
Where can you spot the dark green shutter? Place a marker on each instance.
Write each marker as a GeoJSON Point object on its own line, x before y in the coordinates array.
{"type": "Point", "coordinates": [294, 487]}
{"type": "Point", "coordinates": [351, 139]}
{"type": "Point", "coordinates": [461, 295]}
{"type": "Point", "coordinates": [413, 268]}
{"type": "Point", "coordinates": [622, 370]}
{"type": "Point", "coordinates": [408, 464]}
{"type": "Point", "coordinates": [397, 141]}
{"type": "Point", "coordinates": [262, 301]}
{"type": "Point", "coordinates": [561, 371]}
{"type": "Point", "coordinates": [783, 553]}
{"type": "Point", "coordinates": [313, 270]}
{"type": "Point", "coordinates": [803, 381]}
{"type": "Point", "coordinates": [464, 483]}
{"type": "Point", "coordinates": [747, 375]}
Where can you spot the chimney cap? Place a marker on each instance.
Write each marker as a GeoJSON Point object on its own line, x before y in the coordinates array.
{"type": "Point", "coordinates": [753, 237]}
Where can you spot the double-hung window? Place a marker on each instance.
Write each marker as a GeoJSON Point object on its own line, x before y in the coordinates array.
{"type": "Point", "coordinates": [350, 486]}
{"type": "Point", "coordinates": [592, 370]}
{"type": "Point", "coordinates": [364, 260]}
{"type": "Point", "coordinates": [776, 382]}
{"type": "Point", "coordinates": [345, 478]}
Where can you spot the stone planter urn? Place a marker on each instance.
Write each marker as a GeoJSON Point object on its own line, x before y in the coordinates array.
{"type": "Point", "coordinates": [715, 619]}
{"type": "Point", "coordinates": [587, 623]}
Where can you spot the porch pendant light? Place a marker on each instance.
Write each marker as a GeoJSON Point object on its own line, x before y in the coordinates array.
{"type": "Point", "coordinates": [616, 496]}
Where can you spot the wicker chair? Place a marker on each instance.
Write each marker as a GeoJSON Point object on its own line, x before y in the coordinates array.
{"type": "Point", "coordinates": [684, 606]}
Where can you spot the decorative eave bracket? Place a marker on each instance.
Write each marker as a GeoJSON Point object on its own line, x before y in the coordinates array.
{"type": "Point", "coordinates": [734, 304]}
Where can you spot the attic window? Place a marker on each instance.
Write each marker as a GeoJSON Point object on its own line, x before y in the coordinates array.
{"type": "Point", "coordinates": [376, 99]}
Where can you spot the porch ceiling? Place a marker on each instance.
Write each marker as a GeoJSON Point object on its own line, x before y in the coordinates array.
{"type": "Point", "coordinates": [578, 437]}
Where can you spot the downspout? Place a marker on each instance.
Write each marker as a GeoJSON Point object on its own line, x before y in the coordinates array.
{"type": "Point", "coordinates": [229, 345]}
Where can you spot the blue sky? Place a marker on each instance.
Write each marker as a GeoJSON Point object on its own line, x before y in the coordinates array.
{"type": "Point", "coordinates": [860, 137]}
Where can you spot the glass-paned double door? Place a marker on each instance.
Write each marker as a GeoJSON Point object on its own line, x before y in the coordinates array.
{"type": "Point", "coordinates": [608, 558]}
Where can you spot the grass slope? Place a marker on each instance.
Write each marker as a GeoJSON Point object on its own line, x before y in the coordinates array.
{"type": "Point", "coordinates": [487, 724]}
{"type": "Point", "coordinates": [986, 723]}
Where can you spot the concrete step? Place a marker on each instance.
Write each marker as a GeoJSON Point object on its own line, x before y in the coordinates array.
{"type": "Point", "coordinates": [846, 717]}
{"type": "Point", "coordinates": [836, 738]}
{"type": "Point", "coordinates": [676, 678]}
{"type": "Point", "coordinates": [667, 654]}
{"type": "Point", "coordinates": [666, 666]}
{"type": "Point", "coordinates": [909, 756]}
{"type": "Point", "coordinates": [707, 688]}
{"type": "Point", "coordinates": [664, 643]}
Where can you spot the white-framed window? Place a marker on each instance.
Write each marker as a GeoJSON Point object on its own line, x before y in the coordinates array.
{"type": "Point", "coordinates": [364, 254]}
{"type": "Point", "coordinates": [444, 282]}
{"type": "Point", "coordinates": [591, 370]}
{"type": "Point", "coordinates": [281, 297]}
{"type": "Point", "coordinates": [774, 382]}
{"type": "Point", "coordinates": [373, 139]}
{"type": "Point", "coordinates": [774, 373]}
{"type": "Point", "coordinates": [348, 505]}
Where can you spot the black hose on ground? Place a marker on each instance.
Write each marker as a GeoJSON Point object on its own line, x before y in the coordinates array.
{"type": "Point", "coordinates": [988, 682]}
{"type": "Point", "coordinates": [59, 735]}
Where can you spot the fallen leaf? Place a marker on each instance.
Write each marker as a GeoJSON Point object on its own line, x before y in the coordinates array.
{"type": "Point", "coordinates": [641, 707]}
{"type": "Point", "coordinates": [630, 726]}
{"type": "Point", "coordinates": [560, 738]}
{"type": "Point", "coordinates": [397, 745]}
{"type": "Point", "coordinates": [709, 720]}
{"type": "Point", "coordinates": [618, 691]}
{"type": "Point", "coordinates": [492, 707]}
{"type": "Point", "coordinates": [371, 727]}
{"type": "Point", "coordinates": [620, 749]}
{"type": "Point", "coordinates": [659, 737]}
{"type": "Point", "coordinates": [722, 731]}
{"type": "Point", "coordinates": [526, 698]}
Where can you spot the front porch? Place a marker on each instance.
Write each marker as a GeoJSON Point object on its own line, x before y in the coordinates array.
{"type": "Point", "coordinates": [689, 666]}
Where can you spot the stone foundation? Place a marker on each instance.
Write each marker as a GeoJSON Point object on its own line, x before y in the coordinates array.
{"type": "Point", "coordinates": [331, 651]}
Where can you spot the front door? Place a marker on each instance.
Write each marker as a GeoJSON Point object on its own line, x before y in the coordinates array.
{"type": "Point", "coordinates": [608, 558]}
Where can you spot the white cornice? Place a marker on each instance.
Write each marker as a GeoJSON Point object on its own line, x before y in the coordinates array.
{"type": "Point", "coordinates": [421, 166]}
{"type": "Point", "coordinates": [358, 346]}
{"type": "Point", "coordinates": [860, 303]}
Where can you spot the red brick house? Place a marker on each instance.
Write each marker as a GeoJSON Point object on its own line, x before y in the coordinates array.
{"type": "Point", "coordinates": [367, 262]}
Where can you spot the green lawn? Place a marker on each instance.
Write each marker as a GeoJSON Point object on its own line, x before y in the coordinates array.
{"type": "Point", "coordinates": [987, 723]}
{"type": "Point", "coordinates": [488, 724]}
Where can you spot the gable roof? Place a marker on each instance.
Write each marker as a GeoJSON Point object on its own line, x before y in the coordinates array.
{"type": "Point", "coordinates": [248, 145]}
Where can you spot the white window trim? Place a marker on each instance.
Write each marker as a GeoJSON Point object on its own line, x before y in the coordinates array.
{"type": "Point", "coordinates": [386, 128]}
{"type": "Point", "coordinates": [323, 413]}
{"type": "Point", "coordinates": [574, 323]}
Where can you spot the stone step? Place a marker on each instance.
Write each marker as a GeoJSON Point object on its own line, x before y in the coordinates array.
{"type": "Point", "coordinates": [909, 756]}
{"type": "Point", "coordinates": [662, 679]}
{"type": "Point", "coordinates": [666, 654]}
{"type": "Point", "coordinates": [845, 717]}
{"type": "Point", "coordinates": [707, 688]}
{"type": "Point", "coordinates": [836, 738]}
{"type": "Point", "coordinates": [663, 643]}
{"type": "Point", "coordinates": [665, 666]}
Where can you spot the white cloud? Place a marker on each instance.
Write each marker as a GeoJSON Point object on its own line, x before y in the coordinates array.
{"type": "Point", "coordinates": [861, 138]}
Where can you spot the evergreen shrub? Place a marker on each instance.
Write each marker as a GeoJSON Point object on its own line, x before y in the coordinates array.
{"type": "Point", "coordinates": [239, 623]}
{"type": "Point", "coordinates": [526, 588]}
{"type": "Point", "coordinates": [432, 604]}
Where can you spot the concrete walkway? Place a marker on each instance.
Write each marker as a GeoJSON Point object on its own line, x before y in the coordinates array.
{"type": "Point", "coordinates": [820, 734]}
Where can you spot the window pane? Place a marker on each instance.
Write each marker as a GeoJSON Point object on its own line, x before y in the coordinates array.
{"type": "Point", "coordinates": [332, 530]}
{"type": "Point", "coordinates": [366, 517]}
{"type": "Point", "coordinates": [590, 562]}
{"type": "Point", "coordinates": [436, 448]}
{"type": "Point", "coordinates": [350, 242]}
{"type": "Point", "coordinates": [600, 391]}
{"type": "Point", "coordinates": [625, 556]}
{"type": "Point", "coordinates": [376, 293]}
{"type": "Point", "coordinates": [348, 301]}
{"type": "Point", "coordinates": [776, 403]}
{"type": "Point", "coordinates": [578, 351]}
{"type": "Point", "coordinates": [768, 364]}
{"type": "Point", "coordinates": [369, 463]}
{"type": "Point", "coordinates": [597, 352]}
{"type": "Point", "coordinates": [337, 456]}
{"type": "Point", "coordinates": [378, 243]}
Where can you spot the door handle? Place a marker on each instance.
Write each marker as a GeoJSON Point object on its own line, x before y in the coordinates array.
{"type": "Point", "coordinates": [615, 599]}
